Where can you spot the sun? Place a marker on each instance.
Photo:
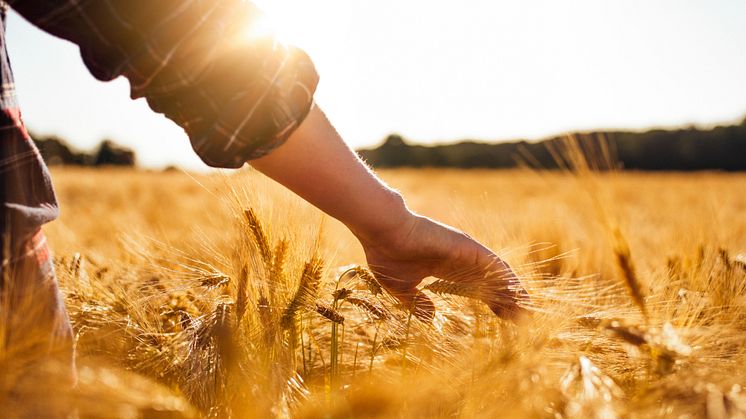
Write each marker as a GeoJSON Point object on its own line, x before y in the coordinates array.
{"type": "Point", "coordinates": [281, 19]}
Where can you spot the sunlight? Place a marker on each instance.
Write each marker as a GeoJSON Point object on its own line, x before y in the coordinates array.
{"type": "Point", "coordinates": [258, 28]}
{"type": "Point", "coordinates": [438, 71]}
{"type": "Point", "coordinates": [282, 20]}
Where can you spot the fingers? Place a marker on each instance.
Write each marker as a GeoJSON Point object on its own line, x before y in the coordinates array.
{"type": "Point", "coordinates": [457, 258]}
{"type": "Point", "coordinates": [411, 298]}
{"type": "Point", "coordinates": [508, 308]}
{"type": "Point", "coordinates": [504, 294]}
{"type": "Point", "coordinates": [493, 281]}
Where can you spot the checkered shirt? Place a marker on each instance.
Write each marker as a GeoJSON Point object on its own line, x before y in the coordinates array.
{"type": "Point", "coordinates": [236, 96]}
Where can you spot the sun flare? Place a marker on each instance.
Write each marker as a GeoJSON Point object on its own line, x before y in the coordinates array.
{"type": "Point", "coordinates": [280, 19]}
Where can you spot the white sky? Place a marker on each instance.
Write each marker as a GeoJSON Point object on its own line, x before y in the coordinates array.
{"type": "Point", "coordinates": [437, 70]}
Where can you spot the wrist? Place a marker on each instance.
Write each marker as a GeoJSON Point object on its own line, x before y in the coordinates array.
{"type": "Point", "coordinates": [384, 218]}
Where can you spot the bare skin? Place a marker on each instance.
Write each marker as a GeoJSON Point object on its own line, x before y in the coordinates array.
{"type": "Point", "coordinates": [402, 248]}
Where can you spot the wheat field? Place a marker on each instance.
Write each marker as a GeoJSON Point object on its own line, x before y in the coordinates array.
{"type": "Point", "coordinates": [223, 295]}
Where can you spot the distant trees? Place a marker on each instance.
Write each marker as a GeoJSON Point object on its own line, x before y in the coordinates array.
{"type": "Point", "coordinates": [111, 154]}
{"type": "Point", "coordinates": [690, 148]}
{"type": "Point", "coordinates": [720, 148]}
{"type": "Point", "coordinates": [56, 151]}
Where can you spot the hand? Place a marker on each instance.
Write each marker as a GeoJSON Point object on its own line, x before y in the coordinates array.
{"type": "Point", "coordinates": [419, 247]}
{"type": "Point", "coordinates": [402, 248]}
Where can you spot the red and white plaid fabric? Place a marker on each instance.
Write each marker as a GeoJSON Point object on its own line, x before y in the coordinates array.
{"type": "Point", "coordinates": [236, 97]}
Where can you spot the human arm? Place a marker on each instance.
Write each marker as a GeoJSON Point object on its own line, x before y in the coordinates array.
{"type": "Point", "coordinates": [238, 99]}
{"type": "Point", "coordinates": [237, 94]}
{"type": "Point", "coordinates": [402, 248]}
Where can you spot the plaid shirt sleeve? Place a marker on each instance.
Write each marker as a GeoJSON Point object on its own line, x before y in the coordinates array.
{"type": "Point", "coordinates": [237, 97]}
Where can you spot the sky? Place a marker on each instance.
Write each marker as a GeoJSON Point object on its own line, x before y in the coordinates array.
{"type": "Point", "coordinates": [440, 71]}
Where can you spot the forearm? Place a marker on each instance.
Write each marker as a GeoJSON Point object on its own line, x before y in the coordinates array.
{"type": "Point", "coordinates": [317, 165]}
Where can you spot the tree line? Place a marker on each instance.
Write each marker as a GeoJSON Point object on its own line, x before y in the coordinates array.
{"type": "Point", "coordinates": [685, 149]}
{"type": "Point", "coordinates": [56, 151]}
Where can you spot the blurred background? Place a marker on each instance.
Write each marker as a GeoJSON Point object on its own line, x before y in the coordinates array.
{"type": "Point", "coordinates": [437, 72]}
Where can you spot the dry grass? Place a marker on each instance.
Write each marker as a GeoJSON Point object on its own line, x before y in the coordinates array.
{"type": "Point", "coordinates": [185, 303]}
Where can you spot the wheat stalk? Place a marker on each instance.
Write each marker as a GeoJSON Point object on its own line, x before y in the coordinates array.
{"type": "Point", "coordinates": [626, 266]}
{"type": "Point", "coordinates": [330, 313]}
{"type": "Point", "coordinates": [368, 306]}
{"type": "Point", "coordinates": [460, 289]}
{"type": "Point", "coordinates": [241, 293]}
{"type": "Point", "coordinates": [341, 294]}
{"type": "Point", "coordinates": [260, 237]}
{"type": "Point", "coordinates": [278, 263]}
{"type": "Point", "coordinates": [589, 391]}
{"type": "Point", "coordinates": [370, 280]}
{"type": "Point", "coordinates": [306, 293]}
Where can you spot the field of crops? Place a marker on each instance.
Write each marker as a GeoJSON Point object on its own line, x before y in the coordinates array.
{"type": "Point", "coordinates": [224, 295]}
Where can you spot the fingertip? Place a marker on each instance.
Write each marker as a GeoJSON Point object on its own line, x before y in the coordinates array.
{"type": "Point", "coordinates": [513, 312]}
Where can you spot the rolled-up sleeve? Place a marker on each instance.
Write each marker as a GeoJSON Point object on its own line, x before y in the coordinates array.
{"type": "Point", "coordinates": [236, 92]}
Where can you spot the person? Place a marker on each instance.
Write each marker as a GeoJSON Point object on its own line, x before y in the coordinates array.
{"type": "Point", "coordinates": [239, 100]}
